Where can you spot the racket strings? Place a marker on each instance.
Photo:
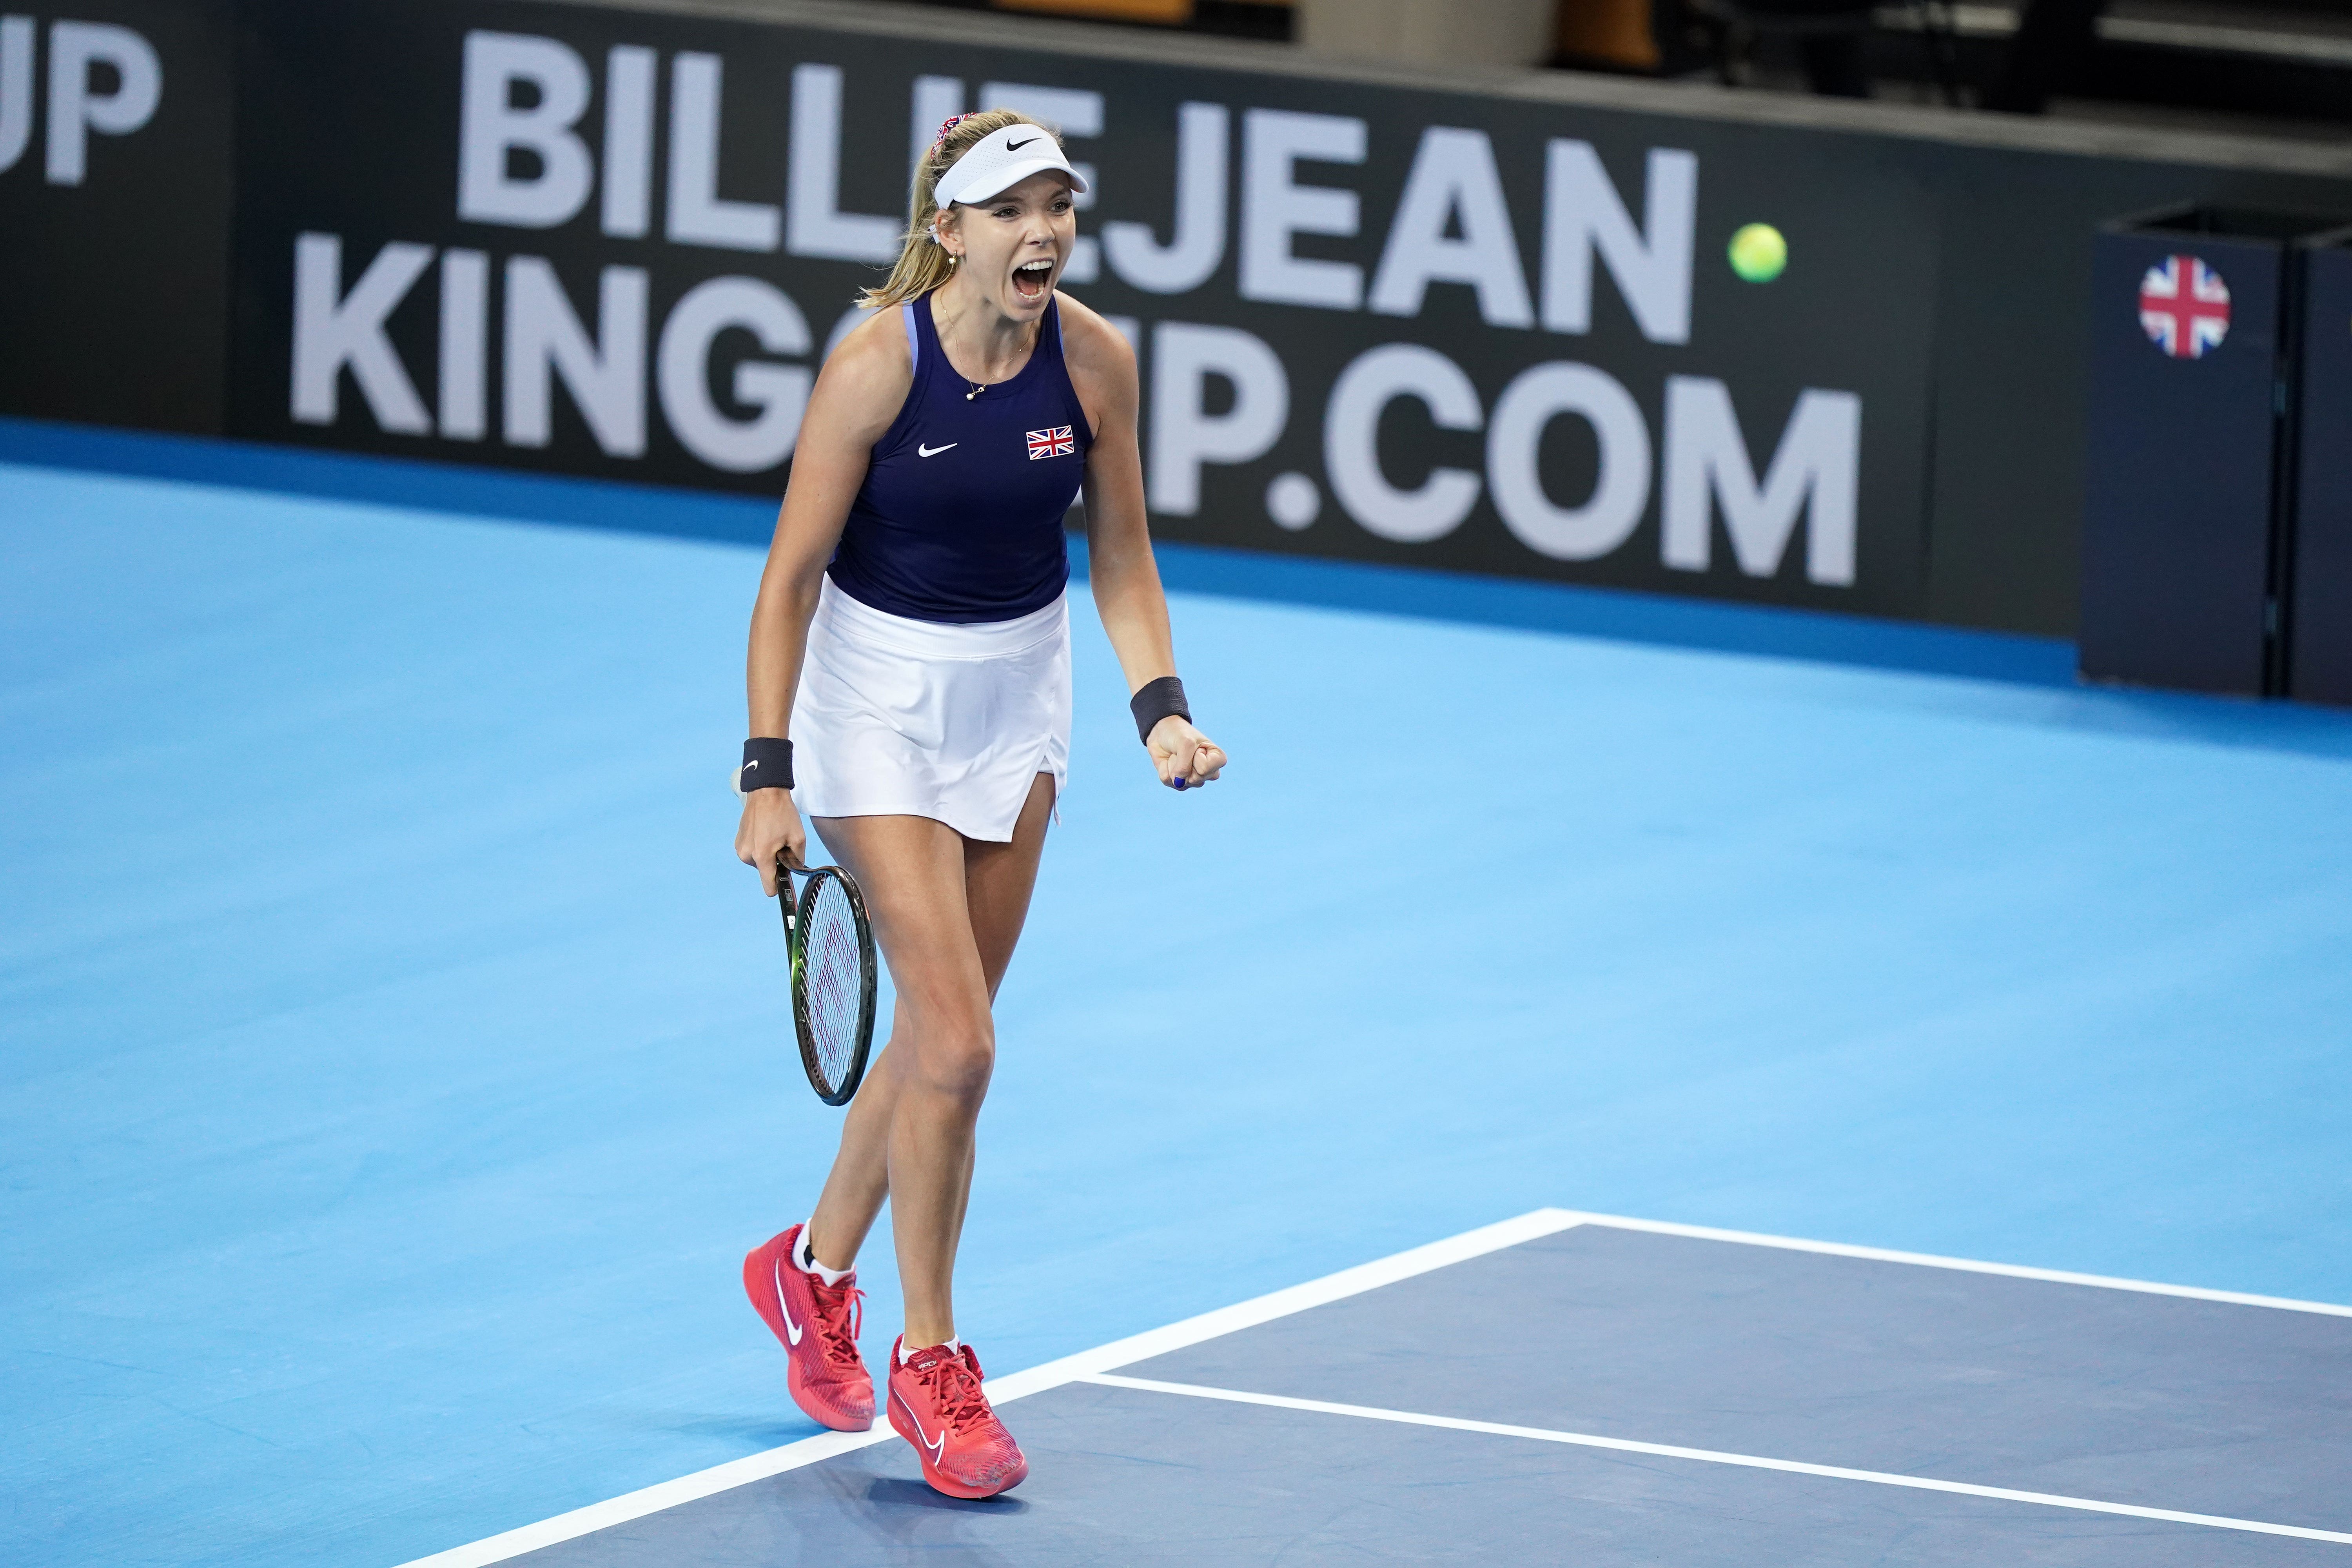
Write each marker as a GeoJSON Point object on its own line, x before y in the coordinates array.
{"type": "Point", "coordinates": [834, 977]}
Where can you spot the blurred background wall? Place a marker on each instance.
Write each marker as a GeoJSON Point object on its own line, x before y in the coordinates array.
{"type": "Point", "coordinates": [1685, 327]}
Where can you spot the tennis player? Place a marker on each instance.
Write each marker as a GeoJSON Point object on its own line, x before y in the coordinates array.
{"type": "Point", "coordinates": [910, 656]}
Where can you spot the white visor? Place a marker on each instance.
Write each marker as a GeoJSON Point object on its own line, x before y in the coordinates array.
{"type": "Point", "coordinates": [1001, 160]}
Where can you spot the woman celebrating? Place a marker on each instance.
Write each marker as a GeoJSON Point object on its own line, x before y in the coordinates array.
{"type": "Point", "coordinates": [912, 637]}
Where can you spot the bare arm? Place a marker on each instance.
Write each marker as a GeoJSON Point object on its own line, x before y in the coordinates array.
{"type": "Point", "coordinates": [1127, 590]}
{"type": "Point", "coordinates": [857, 396]}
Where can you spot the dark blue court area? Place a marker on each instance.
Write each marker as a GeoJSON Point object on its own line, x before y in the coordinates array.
{"type": "Point", "coordinates": [393, 1072]}
{"type": "Point", "coordinates": [1675, 1399]}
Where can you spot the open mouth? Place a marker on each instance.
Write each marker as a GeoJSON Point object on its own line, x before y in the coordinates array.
{"type": "Point", "coordinates": [1030, 279]}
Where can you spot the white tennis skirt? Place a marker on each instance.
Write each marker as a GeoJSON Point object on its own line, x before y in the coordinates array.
{"type": "Point", "coordinates": [903, 718]}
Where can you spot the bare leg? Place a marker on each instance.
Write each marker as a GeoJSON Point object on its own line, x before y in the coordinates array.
{"type": "Point", "coordinates": [860, 1178]}
{"type": "Point", "coordinates": [948, 911]}
{"type": "Point", "coordinates": [998, 881]}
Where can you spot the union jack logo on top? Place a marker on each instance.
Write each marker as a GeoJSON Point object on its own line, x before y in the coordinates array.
{"type": "Point", "coordinates": [1055, 443]}
{"type": "Point", "coordinates": [2184, 307]}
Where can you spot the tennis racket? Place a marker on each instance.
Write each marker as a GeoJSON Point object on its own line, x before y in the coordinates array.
{"type": "Point", "coordinates": [830, 943]}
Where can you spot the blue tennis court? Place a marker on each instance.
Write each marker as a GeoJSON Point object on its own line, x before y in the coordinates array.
{"type": "Point", "coordinates": [395, 1074]}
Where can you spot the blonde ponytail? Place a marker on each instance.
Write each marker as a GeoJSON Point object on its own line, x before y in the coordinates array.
{"type": "Point", "coordinates": [923, 263]}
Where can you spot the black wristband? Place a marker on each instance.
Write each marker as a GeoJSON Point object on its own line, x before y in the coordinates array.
{"type": "Point", "coordinates": [767, 765]}
{"type": "Point", "coordinates": [1154, 701]}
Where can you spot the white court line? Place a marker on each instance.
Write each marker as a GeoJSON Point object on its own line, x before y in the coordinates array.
{"type": "Point", "coordinates": [1967, 1264]}
{"type": "Point", "coordinates": [1229, 1320]}
{"type": "Point", "coordinates": [1035, 1379]}
{"type": "Point", "coordinates": [1712, 1457]}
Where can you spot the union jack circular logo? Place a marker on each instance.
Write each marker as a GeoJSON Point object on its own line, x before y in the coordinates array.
{"type": "Point", "coordinates": [2184, 307]}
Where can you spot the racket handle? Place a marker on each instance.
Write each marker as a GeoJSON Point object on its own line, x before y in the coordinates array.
{"type": "Point", "coordinates": [785, 889]}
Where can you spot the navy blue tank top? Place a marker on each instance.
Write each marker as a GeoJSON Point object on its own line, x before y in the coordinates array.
{"type": "Point", "coordinates": [960, 518]}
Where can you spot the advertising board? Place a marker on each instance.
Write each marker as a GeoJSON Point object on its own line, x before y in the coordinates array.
{"type": "Point", "coordinates": [1535, 324]}
{"type": "Point", "coordinates": [114, 211]}
{"type": "Point", "coordinates": [1373, 322]}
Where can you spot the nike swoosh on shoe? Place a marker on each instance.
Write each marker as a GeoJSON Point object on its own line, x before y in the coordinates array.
{"type": "Point", "coordinates": [789, 1327]}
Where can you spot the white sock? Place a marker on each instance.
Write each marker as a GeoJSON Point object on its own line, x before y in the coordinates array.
{"type": "Point", "coordinates": [905, 1352]}
{"type": "Point", "coordinates": [805, 1261]}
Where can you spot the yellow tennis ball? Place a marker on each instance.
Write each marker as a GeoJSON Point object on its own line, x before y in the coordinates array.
{"type": "Point", "coordinates": [1758, 254]}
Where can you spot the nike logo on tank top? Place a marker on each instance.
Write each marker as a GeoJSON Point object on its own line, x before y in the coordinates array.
{"type": "Point", "coordinates": [959, 518]}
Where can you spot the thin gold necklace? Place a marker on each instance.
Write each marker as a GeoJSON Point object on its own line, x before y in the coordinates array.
{"type": "Point", "coordinates": [977, 387]}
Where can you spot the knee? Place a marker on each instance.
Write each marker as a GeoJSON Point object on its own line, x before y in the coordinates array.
{"type": "Point", "coordinates": [958, 1058]}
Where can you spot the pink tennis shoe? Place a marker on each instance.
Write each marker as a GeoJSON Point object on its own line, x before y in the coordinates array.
{"type": "Point", "coordinates": [936, 1405]}
{"type": "Point", "coordinates": [817, 1324]}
